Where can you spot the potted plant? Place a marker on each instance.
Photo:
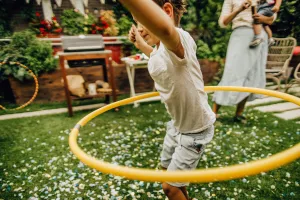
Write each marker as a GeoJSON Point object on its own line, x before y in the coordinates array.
{"type": "Point", "coordinates": [26, 49]}
{"type": "Point", "coordinates": [45, 28]}
{"type": "Point", "coordinates": [75, 23]}
{"type": "Point", "coordinates": [210, 62]}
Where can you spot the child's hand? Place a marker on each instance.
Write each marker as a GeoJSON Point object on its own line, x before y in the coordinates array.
{"type": "Point", "coordinates": [131, 34]}
{"type": "Point", "coordinates": [275, 9]}
{"type": "Point", "coordinates": [246, 4]}
{"type": "Point", "coordinates": [136, 38]}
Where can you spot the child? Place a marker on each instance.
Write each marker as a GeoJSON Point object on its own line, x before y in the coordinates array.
{"type": "Point", "coordinates": [266, 8]}
{"type": "Point", "coordinates": [174, 67]}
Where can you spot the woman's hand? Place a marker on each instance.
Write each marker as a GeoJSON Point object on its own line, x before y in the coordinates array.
{"type": "Point", "coordinates": [260, 19]}
{"type": "Point", "coordinates": [246, 4]}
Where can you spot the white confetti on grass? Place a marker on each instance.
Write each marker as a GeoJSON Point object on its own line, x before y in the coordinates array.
{"type": "Point", "coordinates": [138, 145]}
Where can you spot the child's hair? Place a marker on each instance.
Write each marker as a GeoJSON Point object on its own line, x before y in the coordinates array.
{"type": "Point", "coordinates": [179, 7]}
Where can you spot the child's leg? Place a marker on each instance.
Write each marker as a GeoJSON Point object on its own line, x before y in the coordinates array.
{"type": "Point", "coordinates": [271, 40]}
{"type": "Point", "coordinates": [186, 157]}
{"type": "Point", "coordinates": [173, 193]}
{"type": "Point", "coordinates": [258, 37]}
{"type": "Point", "coordinates": [268, 30]}
{"type": "Point", "coordinates": [184, 191]}
{"type": "Point", "coordinates": [169, 145]}
{"type": "Point", "coordinates": [257, 29]}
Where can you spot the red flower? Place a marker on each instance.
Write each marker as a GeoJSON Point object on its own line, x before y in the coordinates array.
{"type": "Point", "coordinates": [105, 24]}
{"type": "Point", "coordinates": [48, 25]}
{"type": "Point", "coordinates": [42, 31]}
{"type": "Point", "coordinates": [44, 22]}
{"type": "Point", "coordinates": [37, 14]}
{"type": "Point", "coordinates": [94, 32]}
{"type": "Point", "coordinates": [54, 18]}
{"type": "Point", "coordinates": [59, 30]}
{"type": "Point", "coordinates": [98, 28]}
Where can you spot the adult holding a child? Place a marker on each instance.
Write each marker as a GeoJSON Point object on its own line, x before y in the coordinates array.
{"type": "Point", "coordinates": [244, 66]}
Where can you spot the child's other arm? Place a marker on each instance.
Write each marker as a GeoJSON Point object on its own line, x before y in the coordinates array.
{"type": "Point", "coordinates": [135, 37]}
{"type": "Point", "coordinates": [157, 21]}
{"type": "Point", "coordinates": [277, 5]}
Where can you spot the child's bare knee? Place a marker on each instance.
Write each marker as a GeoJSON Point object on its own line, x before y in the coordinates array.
{"type": "Point", "coordinates": [167, 188]}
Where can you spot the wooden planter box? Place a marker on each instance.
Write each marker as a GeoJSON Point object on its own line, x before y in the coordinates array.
{"type": "Point", "coordinates": [209, 69]}
{"type": "Point", "coordinates": [51, 87]}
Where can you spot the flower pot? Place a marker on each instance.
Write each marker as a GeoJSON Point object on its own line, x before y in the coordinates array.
{"type": "Point", "coordinates": [116, 51]}
{"type": "Point", "coordinates": [49, 35]}
{"type": "Point", "coordinates": [112, 43]}
{"type": "Point", "coordinates": [208, 69]}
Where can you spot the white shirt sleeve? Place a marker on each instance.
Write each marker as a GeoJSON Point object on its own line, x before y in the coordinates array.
{"type": "Point", "coordinates": [226, 10]}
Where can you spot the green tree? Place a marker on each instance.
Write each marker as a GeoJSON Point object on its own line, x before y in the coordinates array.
{"type": "Point", "coordinates": [288, 21]}
{"type": "Point", "coordinates": [202, 22]}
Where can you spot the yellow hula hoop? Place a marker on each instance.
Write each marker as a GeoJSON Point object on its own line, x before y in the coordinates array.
{"type": "Point", "coordinates": [36, 86]}
{"type": "Point", "coordinates": [201, 175]}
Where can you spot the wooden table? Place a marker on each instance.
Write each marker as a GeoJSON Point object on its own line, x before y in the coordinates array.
{"type": "Point", "coordinates": [105, 54]}
{"type": "Point", "coordinates": [131, 66]}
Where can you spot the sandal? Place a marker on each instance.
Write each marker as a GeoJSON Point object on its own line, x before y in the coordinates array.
{"type": "Point", "coordinates": [239, 119]}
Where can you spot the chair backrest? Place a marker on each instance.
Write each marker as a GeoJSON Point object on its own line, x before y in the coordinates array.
{"type": "Point", "coordinates": [281, 53]}
{"type": "Point", "coordinates": [297, 73]}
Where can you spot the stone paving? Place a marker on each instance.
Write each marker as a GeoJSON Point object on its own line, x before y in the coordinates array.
{"type": "Point", "coordinates": [50, 112]}
{"type": "Point", "coordinates": [280, 108]}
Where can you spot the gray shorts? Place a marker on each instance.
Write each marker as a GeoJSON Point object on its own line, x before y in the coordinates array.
{"type": "Point", "coordinates": [265, 9]}
{"type": "Point", "coordinates": [183, 151]}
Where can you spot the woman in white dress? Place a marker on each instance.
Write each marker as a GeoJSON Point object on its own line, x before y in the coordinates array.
{"type": "Point", "coordinates": [244, 66]}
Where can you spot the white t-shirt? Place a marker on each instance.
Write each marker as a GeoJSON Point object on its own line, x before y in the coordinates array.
{"type": "Point", "coordinates": [180, 84]}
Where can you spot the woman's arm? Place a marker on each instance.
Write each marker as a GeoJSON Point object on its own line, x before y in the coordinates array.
{"type": "Point", "coordinates": [228, 15]}
{"type": "Point", "coordinates": [157, 21]}
{"type": "Point", "coordinates": [261, 19]}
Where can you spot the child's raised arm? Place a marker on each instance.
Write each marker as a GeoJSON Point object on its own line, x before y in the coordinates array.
{"type": "Point", "coordinates": [157, 21]}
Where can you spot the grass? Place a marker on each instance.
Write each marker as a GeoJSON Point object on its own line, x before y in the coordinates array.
{"type": "Point", "coordinates": [51, 105]}
{"type": "Point", "coordinates": [36, 162]}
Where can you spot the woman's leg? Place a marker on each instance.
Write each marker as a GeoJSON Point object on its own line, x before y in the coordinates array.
{"type": "Point", "coordinates": [240, 107]}
{"type": "Point", "coordinates": [216, 108]}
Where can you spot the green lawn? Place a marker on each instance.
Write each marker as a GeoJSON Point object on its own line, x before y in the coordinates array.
{"type": "Point", "coordinates": [35, 159]}
{"type": "Point", "coordinates": [51, 105]}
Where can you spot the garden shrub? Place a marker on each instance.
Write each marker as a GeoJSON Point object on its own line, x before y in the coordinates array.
{"type": "Point", "coordinates": [288, 21]}
{"type": "Point", "coordinates": [75, 23]}
{"type": "Point", "coordinates": [26, 49]}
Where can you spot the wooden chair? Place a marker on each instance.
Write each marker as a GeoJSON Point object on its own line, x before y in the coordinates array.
{"type": "Point", "coordinates": [279, 57]}
{"type": "Point", "coordinates": [296, 79]}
